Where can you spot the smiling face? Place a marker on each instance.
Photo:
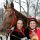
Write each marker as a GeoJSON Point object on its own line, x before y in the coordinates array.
{"type": "Point", "coordinates": [32, 24]}
{"type": "Point", "coordinates": [19, 24]}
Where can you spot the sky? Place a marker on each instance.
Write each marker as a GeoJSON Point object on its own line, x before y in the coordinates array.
{"type": "Point", "coordinates": [16, 6]}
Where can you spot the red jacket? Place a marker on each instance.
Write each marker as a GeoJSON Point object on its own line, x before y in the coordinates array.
{"type": "Point", "coordinates": [37, 31]}
{"type": "Point", "coordinates": [20, 33]}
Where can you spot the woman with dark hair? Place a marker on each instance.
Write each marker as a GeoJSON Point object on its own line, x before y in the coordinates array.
{"type": "Point", "coordinates": [18, 32]}
{"type": "Point", "coordinates": [34, 32]}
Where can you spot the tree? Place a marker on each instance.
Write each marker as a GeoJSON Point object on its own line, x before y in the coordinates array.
{"type": "Point", "coordinates": [27, 3]}
{"type": "Point", "coordinates": [35, 7]}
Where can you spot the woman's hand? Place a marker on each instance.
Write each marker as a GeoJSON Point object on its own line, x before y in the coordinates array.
{"type": "Point", "coordinates": [35, 37]}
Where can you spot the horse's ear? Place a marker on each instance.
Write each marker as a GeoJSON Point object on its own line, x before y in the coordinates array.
{"type": "Point", "coordinates": [5, 7]}
{"type": "Point", "coordinates": [12, 5]}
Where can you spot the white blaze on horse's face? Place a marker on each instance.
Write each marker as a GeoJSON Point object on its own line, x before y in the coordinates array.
{"type": "Point", "coordinates": [8, 11]}
{"type": "Point", "coordinates": [19, 24]}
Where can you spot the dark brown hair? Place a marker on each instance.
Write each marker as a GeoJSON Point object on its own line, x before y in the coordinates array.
{"type": "Point", "coordinates": [33, 19]}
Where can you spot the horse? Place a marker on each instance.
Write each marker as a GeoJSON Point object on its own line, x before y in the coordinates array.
{"type": "Point", "coordinates": [12, 15]}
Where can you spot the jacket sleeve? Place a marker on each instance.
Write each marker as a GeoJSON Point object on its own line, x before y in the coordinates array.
{"type": "Point", "coordinates": [27, 33]}
{"type": "Point", "coordinates": [14, 36]}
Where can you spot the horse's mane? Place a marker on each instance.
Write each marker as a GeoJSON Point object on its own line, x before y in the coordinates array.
{"type": "Point", "coordinates": [19, 14]}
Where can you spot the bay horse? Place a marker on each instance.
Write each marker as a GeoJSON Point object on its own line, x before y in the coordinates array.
{"type": "Point", "coordinates": [12, 16]}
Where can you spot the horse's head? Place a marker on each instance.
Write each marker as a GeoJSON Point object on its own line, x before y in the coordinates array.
{"type": "Point", "coordinates": [9, 8]}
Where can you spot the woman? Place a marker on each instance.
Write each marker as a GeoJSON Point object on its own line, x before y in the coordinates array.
{"type": "Point", "coordinates": [34, 32]}
{"type": "Point", "coordinates": [18, 32]}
